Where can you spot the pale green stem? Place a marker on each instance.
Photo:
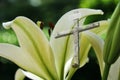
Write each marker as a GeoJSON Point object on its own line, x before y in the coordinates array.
{"type": "Point", "coordinates": [71, 72]}
{"type": "Point", "coordinates": [106, 71]}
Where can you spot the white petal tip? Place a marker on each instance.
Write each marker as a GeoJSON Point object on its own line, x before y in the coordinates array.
{"type": "Point", "coordinates": [101, 12]}
{"type": "Point", "coordinates": [31, 76]}
{"type": "Point", "coordinates": [7, 25]}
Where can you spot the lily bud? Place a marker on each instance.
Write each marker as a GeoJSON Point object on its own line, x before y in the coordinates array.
{"type": "Point", "coordinates": [112, 45]}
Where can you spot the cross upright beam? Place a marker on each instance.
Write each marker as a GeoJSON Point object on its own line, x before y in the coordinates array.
{"type": "Point", "coordinates": [76, 59]}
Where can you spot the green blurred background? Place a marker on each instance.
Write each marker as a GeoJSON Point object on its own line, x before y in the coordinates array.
{"type": "Point", "coordinates": [49, 11]}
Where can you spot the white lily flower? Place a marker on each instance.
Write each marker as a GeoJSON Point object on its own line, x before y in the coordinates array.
{"type": "Point", "coordinates": [49, 61]}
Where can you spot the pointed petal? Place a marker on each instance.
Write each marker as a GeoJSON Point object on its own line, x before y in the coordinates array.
{"type": "Point", "coordinates": [31, 76]}
{"type": "Point", "coordinates": [33, 41]}
{"type": "Point", "coordinates": [21, 58]}
{"type": "Point", "coordinates": [97, 43]}
{"type": "Point", "coordinates": [84, 50]}
{"type": "Point", "coordinates": [62, 46]}
{"type": "Point", "coordinates": [19, 75]}
{"type": "Point", "coordinates": [67, 67]}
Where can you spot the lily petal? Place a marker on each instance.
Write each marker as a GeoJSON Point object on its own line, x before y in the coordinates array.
{"type": "Point", "coordinates": [34, 42]}
{"type": "Point", "coordinates": [19, 75]}
{"type": "Point", "coordinates": [97, 43]}
{"type": "Point", "coordinates": [86, 45]}
{"type": "Point", "coordinates": [89, 39]}
{"type": "Point", "coordinates": [62, 46]}
{"type": "Point", "coordinates": [21, 58]}
{"type": "Point", "coordinates": [102, 29]}
{"type": "Point", "coordinates": [84, 50]}
{"type": "Point", "coordinates": [67, 67]}
{"type": "Point", "coordinates": [31, 76]}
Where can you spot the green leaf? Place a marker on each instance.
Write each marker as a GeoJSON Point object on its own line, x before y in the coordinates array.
{"type": "Point", "coordinates": [112, 35]}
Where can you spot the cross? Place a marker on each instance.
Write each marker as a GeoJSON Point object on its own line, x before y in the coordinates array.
{"type": "Point", "coordinates": [76, 30]}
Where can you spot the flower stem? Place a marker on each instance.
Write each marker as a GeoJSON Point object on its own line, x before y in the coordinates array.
{"type": "Point", "coordinates": [106, 71]}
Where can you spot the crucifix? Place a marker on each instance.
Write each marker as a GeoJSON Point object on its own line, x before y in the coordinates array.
{"type": "Point", "coordinates": [76, 30]}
